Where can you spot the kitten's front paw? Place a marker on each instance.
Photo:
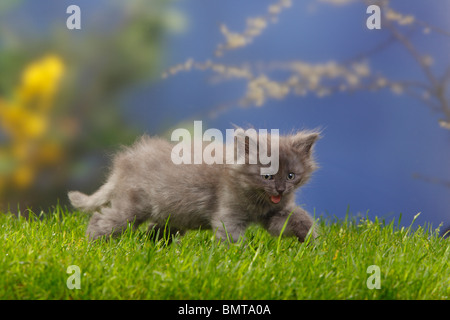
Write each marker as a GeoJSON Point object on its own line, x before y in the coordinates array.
{"type": "Point", "coordinates": [311, 234]}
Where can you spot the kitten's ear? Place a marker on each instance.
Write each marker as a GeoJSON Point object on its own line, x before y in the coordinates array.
{"type": "Point", "coordinates": [305, 140]}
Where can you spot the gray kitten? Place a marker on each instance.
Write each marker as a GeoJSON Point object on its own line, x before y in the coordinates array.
{"type": "Point", "coordinates": [145, 184]}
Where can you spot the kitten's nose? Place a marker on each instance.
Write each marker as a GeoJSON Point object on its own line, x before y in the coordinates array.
{"type": "Point", "coordinates": [280, 190]}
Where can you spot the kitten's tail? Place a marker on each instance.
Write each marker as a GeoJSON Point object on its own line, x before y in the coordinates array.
{"type": "Point", "coordinates": [93, 202]}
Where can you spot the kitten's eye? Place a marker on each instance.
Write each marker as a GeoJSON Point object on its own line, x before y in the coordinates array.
{"type": "Point", "coordinates": [267, 177]}
{"type": "Point", "coordinates": [291, 176]}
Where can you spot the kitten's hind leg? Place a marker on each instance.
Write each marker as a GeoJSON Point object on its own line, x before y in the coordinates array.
{"type": "Point", "coordinates": [166, 232]}
{"type": "Point", "coordinates": [106, 223]}
{"type": "Point", "coordinates": [111, 221]}
{"type": "Point", "coordinates": [229, 228]}
{"type": "Point", "coordinates": [298, 224]}
{"type": "Point", "coordinates": [127, 209]}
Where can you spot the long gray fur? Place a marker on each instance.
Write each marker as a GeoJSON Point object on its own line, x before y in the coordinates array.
{"type": "Point", "coordinates": [144, 184]}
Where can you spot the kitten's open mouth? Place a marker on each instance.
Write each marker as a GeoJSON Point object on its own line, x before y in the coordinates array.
{"type": "Point", "coordinates": [275, 199]}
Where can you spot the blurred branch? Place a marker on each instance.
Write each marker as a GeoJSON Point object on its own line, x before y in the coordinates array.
{"type": "Point", "coordinates": [432, 180]}
{"type": "Point", "coordinates": [330, 77]}
{"type": "Point", "coordinates": [254, 28]}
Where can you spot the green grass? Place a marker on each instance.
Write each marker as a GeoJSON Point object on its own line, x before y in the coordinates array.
{"type": "Point", "coordinates": [36, 252]}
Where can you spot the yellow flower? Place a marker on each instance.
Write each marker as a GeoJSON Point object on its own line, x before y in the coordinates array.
{"type": "Point", "coordinates": [40, 81]}
{"type": "Point", "coordinates": [26, 120]}
{"type": "Point", "coordinates": [35, 125]}
{"type": "Point", "coordinates": [10, 118]}
{"type": "Point", "coordinates": [21, 123]}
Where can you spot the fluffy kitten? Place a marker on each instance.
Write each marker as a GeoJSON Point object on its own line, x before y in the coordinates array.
{"type": "Point", "coordinates": [145, 184]}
